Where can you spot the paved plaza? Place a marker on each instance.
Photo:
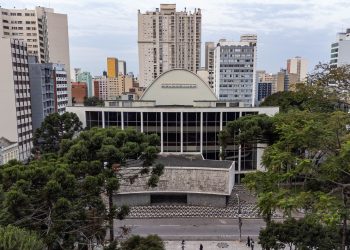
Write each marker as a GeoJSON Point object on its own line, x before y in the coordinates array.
{"type": "Point", "coordinates": [247, 200]}
{"type": "Point", "coordinates": [209, 245]}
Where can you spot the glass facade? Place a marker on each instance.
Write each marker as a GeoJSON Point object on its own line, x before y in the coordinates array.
{"type": "Point", "coordinates": [172, 131]}
{"type": "Point", "coordinates": [183, 132]}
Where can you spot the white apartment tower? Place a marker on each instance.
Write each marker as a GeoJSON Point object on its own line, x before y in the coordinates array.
{"type": "Point", "coordinates": [45, 32]}
{"type": "Point", "coordinates": [168, 39]}
{"type": "Point", "coordinates": [340, 51]}
{"type": "Point", "coordinates": [234, 70]}
{"type": "Point", "coordinates": [15, 101]}
{"type": "Point", "coordinates": [297, 65]}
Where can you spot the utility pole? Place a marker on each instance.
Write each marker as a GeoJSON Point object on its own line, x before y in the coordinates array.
{"type": "Point", "coordinates": [239, 218]}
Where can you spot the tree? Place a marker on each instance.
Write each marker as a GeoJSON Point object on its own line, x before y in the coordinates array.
{"type": "Point", "coordinates": [112, 151]}
{"type": "Point", "coordinates": [14, 238]}
{"type": "Point", "coordinates": [93, 101]}
{"type": "Point", "coordinates": [53, 130]}
{"type": "Point", "coordinates": [302, 234]}
{"type": "Point", "coordinates": [312, 98]}
{"type": "Point", "coordinates": [136, 242]}
{"type": "Point", "coordinates": [307, 166]}
{"type": "Point", "coordinates": [46, 197]}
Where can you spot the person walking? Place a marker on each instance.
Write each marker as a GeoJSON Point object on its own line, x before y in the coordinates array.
{"type": "Point", "coordinates": [248, 241]}
{"type": "Point", "coordinates": [200, 247]}
{"type": "Point", "coordinates": [252, 244]}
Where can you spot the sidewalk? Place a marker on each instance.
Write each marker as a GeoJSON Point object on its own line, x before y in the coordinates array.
{"type": "Point", "coordinates": [209, 245]}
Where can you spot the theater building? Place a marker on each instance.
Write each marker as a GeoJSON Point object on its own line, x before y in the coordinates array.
{"type": "Point", "coordinates": [182, 109]}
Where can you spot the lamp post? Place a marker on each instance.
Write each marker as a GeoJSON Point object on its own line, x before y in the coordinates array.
{"type": "Point", "coordinates": [239, 218]}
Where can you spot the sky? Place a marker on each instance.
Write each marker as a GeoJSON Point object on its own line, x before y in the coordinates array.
{"type": "Point", "coordinates": [285, 28]}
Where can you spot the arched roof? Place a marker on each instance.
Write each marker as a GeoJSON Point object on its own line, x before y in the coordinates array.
{"type": "Point", "coordinates": [178, 87]}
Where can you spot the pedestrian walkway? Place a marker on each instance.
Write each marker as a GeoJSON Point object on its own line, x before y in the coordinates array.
{"type": "Point", "coordinates": [209, 245]}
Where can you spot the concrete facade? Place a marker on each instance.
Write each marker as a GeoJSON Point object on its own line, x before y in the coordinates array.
{"type": "Point", "coordinates": [15, 105]}
{"type": "Point", "coordinates": [298, 66]}
{"type": "Point", "coordinates": [8, 151]}
{"type": "Point", "coordinates": [340, 49]}
{"type": "Point", "coordinates": [79, 92]}
{"type": "Point", "coordinates": [45, 32]}
{"type": "Point", "coordinates": [209, 62]}
{"type": "Point", "coordinates": [235, 70]}
{"type": "Point", "coordinates": [168, 39]}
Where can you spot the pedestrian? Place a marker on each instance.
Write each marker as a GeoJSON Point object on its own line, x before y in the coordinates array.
{"type": "Point", "coordinates": [248, 241]}
{"type": "Point", "coordinates": [200, 247]}
{"type": "Point", "coordinates": [183, 244]}
{"type": "Point", "coordinates": [252, 244]}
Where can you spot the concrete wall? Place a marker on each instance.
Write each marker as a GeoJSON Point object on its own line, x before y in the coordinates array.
{"type": "Point", "coordinates": [8, 124]}
{"type": "Point", "coordinates": [132, 199]}
{"type": "Point", "coordinates": [206, 200]}
{"type": "Point", "coordinates": [184, 180]}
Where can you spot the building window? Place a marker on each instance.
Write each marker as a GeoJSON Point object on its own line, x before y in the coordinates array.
{"type": "Point", "coordinates": [191, 132]}
{"type": "Point", "coordinates": [93, 119]}
{"type": "Point", "coordinates": [211, 129]}
{"type": "Point", "coordinates": [132, 120]}
{"type": "Point", "coordinates": [171, 132]}
{"type": "Point", "coordinates": [151, 123]}
{"type": "Point", "coordinates": [113, 119]}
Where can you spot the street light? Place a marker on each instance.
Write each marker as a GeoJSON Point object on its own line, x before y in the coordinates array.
{"type": "Point", "coordinates": [239, 218]}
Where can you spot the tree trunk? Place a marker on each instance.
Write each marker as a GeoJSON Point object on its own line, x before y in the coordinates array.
{"type": "Point", "coordinates": [111, 226]}
{"type": "Point", "coordinates": [344, 229]}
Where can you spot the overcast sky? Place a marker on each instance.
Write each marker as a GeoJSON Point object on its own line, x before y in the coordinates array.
{"type": "Point", "coordinates": [285, 28]}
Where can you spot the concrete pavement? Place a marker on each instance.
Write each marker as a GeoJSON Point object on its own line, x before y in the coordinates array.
{"type": "Point", "coordinates": [209, 245]}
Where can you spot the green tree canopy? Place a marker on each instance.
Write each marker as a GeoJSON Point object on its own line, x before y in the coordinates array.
{"type": "Point", "coordinates": [112, 151]}
{"type": "Point", "coordinates": [136, 242]}
{"type": "Point", "coordinates": [53, 130]}
{"type": "Point", "coordinates": [14, 238]}
{"type": "Point", "coordinates": [93, 101]}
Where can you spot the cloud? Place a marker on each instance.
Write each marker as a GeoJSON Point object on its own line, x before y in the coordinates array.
{"type": "Point", "coordinates": [109, 27]}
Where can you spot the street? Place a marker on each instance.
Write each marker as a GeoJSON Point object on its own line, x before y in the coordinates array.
{"type": "Point", "coordinates": [211, 229]}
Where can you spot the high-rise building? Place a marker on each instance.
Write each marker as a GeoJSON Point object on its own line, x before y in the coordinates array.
{"type": "Point", "coordinates": [234, 70]}
{"type": "Point", "coordinates": [297, 65]}
{"type": "Point", "coordinates": [168, 39]}
{"type": "Point", "coordinates": [79, 92]}
{"type": "Point", "coordinates": [209, 61]}
{"type": "Point", "coordinates": [8, 151]}
{"type": "Point", "coordinates": [340, 50]}
{"type": "Point", "coordinates": [286, 81]}
{"type": "Point", "coordinates": [121, 67]}
{"type": "Point", "coordinates": [15, 101]}
{"type": "Point", "coordinates": [112, 67]}
{"type": "Point", "coordinates": [44, 31]}
{"type": "Point", "coordinates": [101, 87]}
{"type": "Point", "coordinates": [264, 90]}
{"type": "Point", "coordinates": [87, 78]}
{"type": "Point", "coordinates": [266, 85]}
{"type": "Point", "coordinates": [48, 86]}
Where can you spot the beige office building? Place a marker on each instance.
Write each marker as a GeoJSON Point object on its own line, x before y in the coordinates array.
{"type": "Point", "coordinates": [168, 39]}
{"type": "Point", "coordinates": [44, 31]}
{"type": "Point", "coordinates": [297, 65]}
{"type": "Point", "coordinates": [209, 61]}
{"type": "Point", "coordinates": [15, 101]}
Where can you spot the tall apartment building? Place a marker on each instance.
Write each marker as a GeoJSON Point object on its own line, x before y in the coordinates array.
{"type": "Point", "coordinates": [101, 87]}
{"type": "Point", "coordinates": [48, 85]}
{"type": "Point", "coordinates": [121, 67]}
{"type": "Point", "coordinates": [209, 61]}
{"type": "Point", "coordinates": [112, 67]}
{"type": "Point", "coordinates": [15, 101]}
{"type": "Point", "coordinates": [286, 81]}
{"type": "Point", "coordinates": [44, 31]}
{"type": "Point", "coordinates": [87, 78]}
{"type": "Point", "coordinates": [79, 92]}
{"type": "Point", "coordinates": [234, 70]}
{"type": "Point", "coordinates": [168, 39]}
{"type": "Point", "coordinates": [297, 65]}
{"type": "Point", "coordinates": [340, 49]}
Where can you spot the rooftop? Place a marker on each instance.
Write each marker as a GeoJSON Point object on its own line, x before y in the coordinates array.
{"type": "Point", "coordinates": [5, 142]}
{"type": "Point", "coordinates": [195, 160]}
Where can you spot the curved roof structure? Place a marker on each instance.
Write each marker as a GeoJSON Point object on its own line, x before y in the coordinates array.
{"type": "Point", "coordinates": [178, 87]}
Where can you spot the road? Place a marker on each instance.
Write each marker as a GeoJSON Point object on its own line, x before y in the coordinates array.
{"type": "Point", "coordinates": [194, 228]}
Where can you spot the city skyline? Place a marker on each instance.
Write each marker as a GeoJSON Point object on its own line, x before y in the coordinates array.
{"type": "Point", "coordinates": [285, 30]}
